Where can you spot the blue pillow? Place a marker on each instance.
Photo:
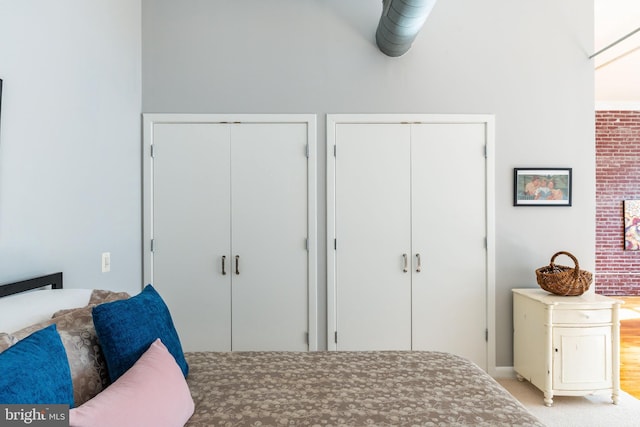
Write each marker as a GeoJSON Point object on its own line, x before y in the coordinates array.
{"type": "Point", "coordinates": [126, 329]}
{"type": "Point", "coordinates": [35, 371]}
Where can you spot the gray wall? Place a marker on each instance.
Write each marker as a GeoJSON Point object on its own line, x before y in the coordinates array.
{"type": "Point", "coordinates": [70, 141]}
{"type": "Point", "coordinates": [524, 61]}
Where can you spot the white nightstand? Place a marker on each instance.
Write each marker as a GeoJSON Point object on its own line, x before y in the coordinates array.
{"type": "Point", "coordinates": [567, 346]}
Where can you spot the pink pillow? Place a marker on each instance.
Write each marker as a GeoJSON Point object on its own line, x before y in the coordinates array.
{"type": "Point", "coordinates": [153, 392]}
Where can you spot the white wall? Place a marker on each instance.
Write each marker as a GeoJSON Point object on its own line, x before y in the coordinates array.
{"type": "Point", "coordinates": [526, 62]}
{"type": "Point", "coordinates": [70, 141]}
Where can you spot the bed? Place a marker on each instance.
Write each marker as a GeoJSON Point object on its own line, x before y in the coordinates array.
{"type": "Point", "coordinates": [386, 388]}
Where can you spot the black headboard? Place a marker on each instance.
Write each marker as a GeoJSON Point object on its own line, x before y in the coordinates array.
{"type": "Point", "coordinates": [55, 280]}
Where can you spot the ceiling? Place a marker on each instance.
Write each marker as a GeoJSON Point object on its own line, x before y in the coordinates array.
{"type": "Point", "coordinates": [617, 70]}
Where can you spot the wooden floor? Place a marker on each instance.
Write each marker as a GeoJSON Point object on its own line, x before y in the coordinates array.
{"type": "Point", "coordinates": [630, 346]}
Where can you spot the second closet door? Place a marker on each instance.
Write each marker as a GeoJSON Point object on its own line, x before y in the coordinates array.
{"type": "Point", "coordinates": [449, 217]}
{"type": "Point", "coordinates": [268, 236]}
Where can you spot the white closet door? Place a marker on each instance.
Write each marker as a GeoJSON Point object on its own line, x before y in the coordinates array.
{"type": "Point", "coordinates": [449, 230]}
{"type": "Point", "coordinates": [269, 231]}
{"type": "Point", "coordinates": [191, 231]}
{"type": "Point", "coordinates": [373, 229]}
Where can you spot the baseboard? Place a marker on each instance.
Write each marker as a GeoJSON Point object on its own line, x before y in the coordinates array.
{"type": "Point", "coordinates": [504, 372]}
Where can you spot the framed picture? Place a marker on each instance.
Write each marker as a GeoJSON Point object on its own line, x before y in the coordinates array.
{"type": "Point", "coordinates": [542, 186]}
{"type": "Point", "coordinates": [632, 225]}
{"type": "Point", "coordinates": [0, 97]}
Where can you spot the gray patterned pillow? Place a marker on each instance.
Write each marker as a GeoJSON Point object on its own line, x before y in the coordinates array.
{"type": "Point", "coordinates": [6, 341]}
{"type": "Point", "coordinates": [86, 361]}
{"type": "Point", "coordinates": [98, 296]}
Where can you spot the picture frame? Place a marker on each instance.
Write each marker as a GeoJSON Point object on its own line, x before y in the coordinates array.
{"type": "Point", "coordinates": [632, 225]}
{"type": "Point", "coordinates": [542, 186]}
{"type": "Point", "coordinates": [0, 100]}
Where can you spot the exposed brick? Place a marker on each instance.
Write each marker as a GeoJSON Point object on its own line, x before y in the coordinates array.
{"type": "Point", "coordinates": [617, 179]}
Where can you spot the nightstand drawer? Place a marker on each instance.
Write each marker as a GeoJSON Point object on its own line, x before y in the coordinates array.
{"type": "Point", "coordinates": [581, 316]}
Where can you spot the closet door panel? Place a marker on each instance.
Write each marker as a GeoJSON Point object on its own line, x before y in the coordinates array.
{"type": "Point", "coordinates": [269, 231]}
{"type": "Point", "coordinates": [373, 229]}
{"type": "Point", "coordinates": [191, 195]}
{"type": "Point", "coordinates": [449, 230]}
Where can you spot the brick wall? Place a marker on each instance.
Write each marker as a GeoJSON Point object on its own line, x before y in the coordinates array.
{"type": "Point", "coordinates": [617, 179]}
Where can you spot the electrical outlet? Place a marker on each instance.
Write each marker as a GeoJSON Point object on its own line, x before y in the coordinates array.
{"type": "Point", "coordinates": [106, 262]}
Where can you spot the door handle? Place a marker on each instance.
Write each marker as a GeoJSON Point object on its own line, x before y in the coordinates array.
{"type": "Point", "coordinates": [237, 264]}
{"type": "Point", "coordinates": [419, 265]}
{"type": "Point", "coordinates": [224, 261]}
{"type": "Point", "coordinates": [406, 263]}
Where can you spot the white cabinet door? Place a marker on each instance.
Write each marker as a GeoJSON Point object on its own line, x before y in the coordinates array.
{"type": "Point", "coordinates": [582, 358]}
{"type": "Point", "coordinates": [373, 230]}
{"type": "Point", "coordinates": [268, 232]}
{"type": "Point", "coordinates": [191, 223]}
{"type": "Point", "coordinates": [448, 231]}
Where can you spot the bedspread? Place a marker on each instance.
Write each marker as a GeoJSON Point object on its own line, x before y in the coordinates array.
{"type": "Point", "coordinates": [347, 388]}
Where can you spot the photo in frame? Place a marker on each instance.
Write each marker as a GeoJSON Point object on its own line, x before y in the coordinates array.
{"type": "Point", "coordinates": [632, 225]}
{"type": "Point", "coordinates": [0, 100]}
{"type": "Point", "coordinates": [542, 186]}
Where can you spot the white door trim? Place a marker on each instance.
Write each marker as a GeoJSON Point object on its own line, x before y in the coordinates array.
{"type": "Point", "coordinates": [150, 119]}
{"type": "Point", "coordinates": [489, 122]}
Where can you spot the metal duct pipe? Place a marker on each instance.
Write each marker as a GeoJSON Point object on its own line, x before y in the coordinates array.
{"type": "Point", "coordinates": [400, 23]}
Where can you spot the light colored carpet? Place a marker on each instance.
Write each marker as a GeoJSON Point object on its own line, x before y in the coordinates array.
{"type": "Point", "coordinates": [568, 411]}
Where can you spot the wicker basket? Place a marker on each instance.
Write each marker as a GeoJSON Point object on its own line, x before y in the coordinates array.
{"type": "Point", "coordinates": [561, 280]}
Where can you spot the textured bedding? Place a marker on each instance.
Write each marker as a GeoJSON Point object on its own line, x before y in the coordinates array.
{"type": "Point", "coordinates": [347, 388]}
